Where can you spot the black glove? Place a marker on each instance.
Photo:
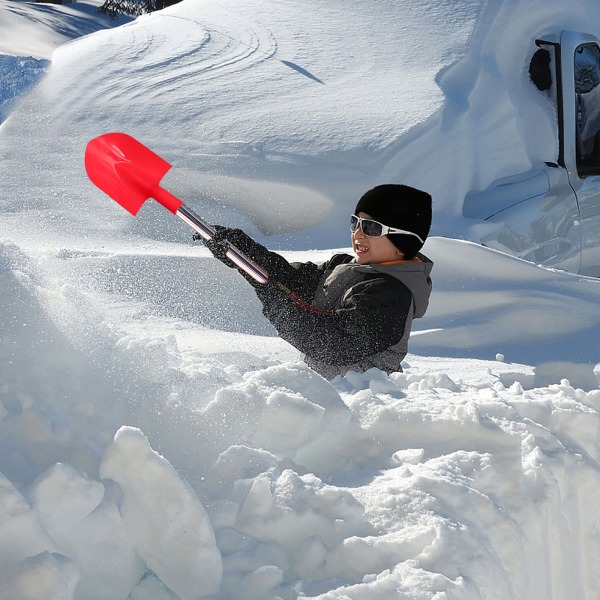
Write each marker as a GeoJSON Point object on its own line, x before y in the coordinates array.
{"type": "Point", "coordinates": [220, 244]}
{"type": "Point", "coordinates": [221, 240]}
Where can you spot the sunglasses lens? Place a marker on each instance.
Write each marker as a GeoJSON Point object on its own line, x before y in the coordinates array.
{"type": "Point", "coordinates": [368, 227]}
{"type": "Point", "coordinates": [371, 228]}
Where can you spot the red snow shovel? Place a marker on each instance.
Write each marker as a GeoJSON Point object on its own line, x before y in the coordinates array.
{"type": "Point", "coordinates": [130, 173]}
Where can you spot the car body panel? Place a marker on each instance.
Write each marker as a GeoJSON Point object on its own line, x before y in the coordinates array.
{"type": "Point", "coordinates": [543, 228]}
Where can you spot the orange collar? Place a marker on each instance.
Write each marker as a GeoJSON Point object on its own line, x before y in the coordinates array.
{"type": "Point", "coordinates": [396, 262]}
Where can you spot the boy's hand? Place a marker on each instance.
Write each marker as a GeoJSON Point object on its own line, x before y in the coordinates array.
{"type": "Point", "coordinates": [218, 245]}
{"type": "Point", "coordinates": [221, 240]}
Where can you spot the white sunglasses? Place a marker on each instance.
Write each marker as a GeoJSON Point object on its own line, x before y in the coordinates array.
{"type": "Point", "coordinates": [372, 228]}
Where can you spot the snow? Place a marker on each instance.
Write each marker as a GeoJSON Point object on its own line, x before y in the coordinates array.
{"type": "Point", "coordinates": [157, 440]}
{"type": "Point", "coordinates": [163, 517]}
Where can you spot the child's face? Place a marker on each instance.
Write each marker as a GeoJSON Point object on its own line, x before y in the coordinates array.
{"type": "Point", "coordinates": [370, 250]}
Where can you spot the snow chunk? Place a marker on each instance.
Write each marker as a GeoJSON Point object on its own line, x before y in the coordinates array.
{"type": "Point", "coordinates": [21, 534]}
{"type": "Point", "coordinates": [340, 444]}
{"type": "Point", "coordinates": [301, 514]}
{"type": "Point", "coordinates": [83, 526]}
{"type": "Point", "coordinates": [289, 422]}
{"type": "Point", "coordinates": [63, 497]}
{"type": "Point", "coordinates": [167, 523]}
{"type": "Point", "coordinates": [239, 462]}
{"type": "Point", "coordinates": [43, 577]}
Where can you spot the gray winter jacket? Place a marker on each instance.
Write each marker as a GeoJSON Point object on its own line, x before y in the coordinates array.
{"type": "Point", "coordinates": [351, 316]}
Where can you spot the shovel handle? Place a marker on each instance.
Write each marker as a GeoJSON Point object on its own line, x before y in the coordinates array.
{"type": "Point", "coordinates": [165, 198]}
{"type": "Point", "coordinates": [239, 259]}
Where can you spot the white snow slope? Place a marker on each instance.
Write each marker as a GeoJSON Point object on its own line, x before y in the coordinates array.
{"type": "Point", "coordinates": [157, 440]}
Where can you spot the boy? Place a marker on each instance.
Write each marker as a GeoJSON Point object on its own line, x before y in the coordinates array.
{"type": "Point", "coordinates": [351, 312]}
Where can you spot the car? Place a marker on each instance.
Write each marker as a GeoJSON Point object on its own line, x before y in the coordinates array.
{"type": "Point", "coordinates": [551, 215]}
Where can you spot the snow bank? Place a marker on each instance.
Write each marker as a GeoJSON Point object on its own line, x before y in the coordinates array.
{"type": "Point", "coordinates": [453, 477]}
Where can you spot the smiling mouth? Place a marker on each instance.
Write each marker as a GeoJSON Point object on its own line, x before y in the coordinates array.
{"type": "Point", "coordinates": [361, 249]}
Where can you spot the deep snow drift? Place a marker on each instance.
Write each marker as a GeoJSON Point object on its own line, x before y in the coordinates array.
{"type": "Point", "coordinates": [157, 441]}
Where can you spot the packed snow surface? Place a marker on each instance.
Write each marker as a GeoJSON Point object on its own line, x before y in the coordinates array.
{"type": "Point", "coordinates": [157, 440]}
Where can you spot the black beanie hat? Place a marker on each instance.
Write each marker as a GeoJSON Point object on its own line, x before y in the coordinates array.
{"type": "Point", "coordinates": [399, 206]}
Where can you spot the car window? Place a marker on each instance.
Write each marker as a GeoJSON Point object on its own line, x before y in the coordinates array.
{"type": "Point", "coordinates": [587, 102]}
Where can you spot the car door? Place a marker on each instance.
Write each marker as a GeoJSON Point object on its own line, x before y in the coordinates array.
{"type": "Point", "coordinates": [581, 58]}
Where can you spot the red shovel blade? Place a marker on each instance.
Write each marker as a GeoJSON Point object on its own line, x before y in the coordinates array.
{"type": "Point", "coordinates": [127, 171]}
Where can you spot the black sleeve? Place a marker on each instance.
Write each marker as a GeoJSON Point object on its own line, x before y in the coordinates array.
{"type": "Point", "coordinates": [371, 318]}
{"type": "Point", "coordinates": [302, 278]}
